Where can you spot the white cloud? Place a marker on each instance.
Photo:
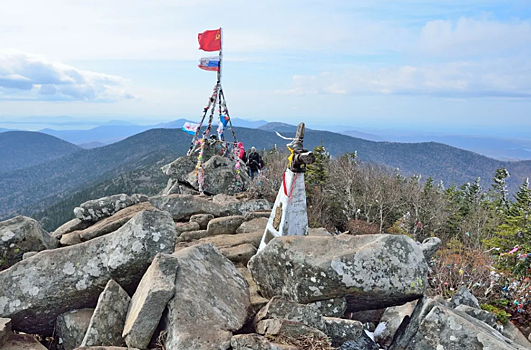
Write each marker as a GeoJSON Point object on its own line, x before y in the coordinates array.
{"type": "Point", "coordinates": [468, 36]}
{"type": "Point", "coordinates": [500, 78]}
{"type": "Point", "coordinates": [34, 77]}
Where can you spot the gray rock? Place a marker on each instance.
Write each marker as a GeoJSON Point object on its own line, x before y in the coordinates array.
{"type": "Point", "coordinates": [108, 320]}
{"type": "Point", "coordinates": [512, 332]}
{"type": "Point", "coordinates": [225, 225]}
{"type": "Point", "coordinates": [193, 235]}
{"type": "Point", "coordinates": [464, 297]}
{"type": "Point", "coordinates": [97, 209]}
{"type": "Point", "coordinates": [430, 246]}
{"type": "Point", "coordinates": [23, 342]}
{"type": "Point", "coordinates": [256, 342]}
{"type": "Point", "coordinates": [374, 271]}
{"type": "Point", "coordinates": [278, 308]}
{"type": "Point", "coordinates": [482, 315]}
{"type": "Point", "coordinates": [104, 348]}
{"type": "Point", "coordinates": [362, 343]}
{"type": "Point", "coordinates": [180, 168]}
{"type": "Point", "coordinates": [225, 241]}
{"type": "Point", "coordinates": [220, 176]}
{"type": "Point", "coordinates": [36, 290]}
{"type": "Point", "coordinates": [20, 235]}
{"type": "Point", "coordinates": [205, 320]}
{"type": "Point", "coordinates": [70, 226]}
{"type": "Point", "coordinates": [244, 207]}
{"type": "Point", "coordinates": [5, 330]}
{"type": "Point", "coordinates": [28, 255]}
{"type": "Point", "coordinates": [72, 326]}
{"type": "Point", "coordinates": [390, 321]}
{"type": "Point", "coordinates": [156, 288]}
{"type": "Point", "coordinates": [71, 238]}
{"type": "Point", "coordinates": [257, 301]}
{"type": "Point", "coordinates": [288, 329]}
{"type": "Point", "coordinates": [140, 198]}
{"type": "Point", "coordinates": [433, 326]}
{"type": "Point", "coordinates": [181, 227]}
{"type": "Point", "coordinates": [340, 330]}
{"type": "Point", "coordinates": [257, 214]}
{"type": "Point", "coordinates": [258, 224]}
{"type": "Point", "coordinates": [240, 254]}
{"type": "Point", "coordinates": [321, 231]}
{"type": "Point", "coordinates": [224, 199]}
{"type": "Point", "coordinates": [331, 307]}
{"type": "Point", "coordinates": [183, 206]}
{"type": "Point", "coordinates": [202, 220]}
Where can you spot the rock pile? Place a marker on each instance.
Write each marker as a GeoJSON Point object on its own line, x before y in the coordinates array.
{"type": "Point", "coordinates": [182, 272]}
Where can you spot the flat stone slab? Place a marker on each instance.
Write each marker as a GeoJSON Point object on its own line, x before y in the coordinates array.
{"type": "Point", "coordinates": [72, 326]}
{"type": "Point", "coordinates": [225, 225]}
{"type": "Point", "coordinates": [156, 288]}
{"type": "Point", "coordinates": [107, 322]}
{"type": "Point", "coordinates": [37, 290]}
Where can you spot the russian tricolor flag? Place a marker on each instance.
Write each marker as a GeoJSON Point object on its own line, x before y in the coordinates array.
{"type": "Point", "coordinates": [209, 63]}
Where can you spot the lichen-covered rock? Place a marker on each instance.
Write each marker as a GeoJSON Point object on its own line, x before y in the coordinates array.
{"type": "Point", "coordinates": [390, 321]}
{"type": "Point", "coordinates": [211, 301]}
{"type": "Point", "coordinates": [433, 327]}
{"type": "Point", "coordinates": [107, 322]}
{"type": "Point", "coordinates": [183, 206]}
{"type": "Point", "coordinates": [180, 168]}
{"type": "Point", "coordinates": [5, 330]}
{"type": "Point", "coordinates": [256, 342]}
{"type": "Point", "coordinates": [156, 288]}
{"type": "Point", "coordinates": [23, 342]}
{"type": "Point", "coordinates": [258, 224]}
{"type": "Point", "coordinates": [288, 329]}
{"type": "Point", "coordinates": [340, 330]}
{"type": "Point", "coordinates": [375, 271]}
{"type": "Point", "coordinates": [239, 254]}
{"type": "Point", "coordinates": [245, 206]}
{"type": "Point", "coordinates": [335, 307]}
{"type": "Point", "coordinates": [257, 214]}
{"type": "Point", "coordinates": [429, 246]}
{"type": "Point", "coordinates": [36, 290]}
{"type": "Point", "coordinates": [72, 326]}
{"type": "Point", "coordinates": [202, 220]}
{"type": "Point", "coordinates": [464, 297]}
{"type": "Point", "coordinates": [257, 301]}
{"type": "Point", "coordinates": [482, 315]}
{"type": "Point", "coordinates": [97, 209]}
{"type": "Point", "coordinates": [279, 308]}
{"type": "Point", "coordinates": [20, 235]}
{"type": "Point", "coordinates": [226, 241]}
{"type": "Point", "coordinates": [70, 226]}
{"type": "Point", "coordinates": [224, 226]}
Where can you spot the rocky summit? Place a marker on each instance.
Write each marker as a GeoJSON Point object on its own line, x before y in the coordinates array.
{"type": "Point", "coordinates": [181, 271]}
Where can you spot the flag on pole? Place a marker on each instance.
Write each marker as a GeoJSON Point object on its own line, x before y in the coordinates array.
{"type": "Point", "coordinates": [209, 63]}
{"type": "Point", "coordinates": [190, 128]}
{"type": "Point", "coordinates": [210, 40]}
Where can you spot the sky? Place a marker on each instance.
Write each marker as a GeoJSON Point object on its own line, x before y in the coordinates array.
{"type": "Point", "coordinates": [412, 64]}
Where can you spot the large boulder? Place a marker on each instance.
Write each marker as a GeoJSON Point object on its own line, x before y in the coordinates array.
{"type": "Point", "coordinates": [72, 326]}
{"type": "Point", "coordinates": [373, 271]}
{"type": "Point", "coordinates": [211, 301]}
{"type": "Point", "coordinates": [149, 301]}
{"type": "Point", "coordinates": [36, 290]}
{"type": "Point", "coordinates": [20, 235]}
{"type": "Point", "coordinates": [180, 168]}
{"type": "Point", "coordinates": [108, 320]}
{"type": "Point", "coordinates": [97, 209]}
{"type": "Point", "coordinates": [464, 297]}
{"type": "Point", "coordinates": [434, 326]}
{"type": "Point", "coordinates": [390, 322]}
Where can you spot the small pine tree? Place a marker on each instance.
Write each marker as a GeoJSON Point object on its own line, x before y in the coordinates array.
{"type": "Point", "coordinates": [498, 192]}
{"type": "Point", "coordinates": [316, 174]}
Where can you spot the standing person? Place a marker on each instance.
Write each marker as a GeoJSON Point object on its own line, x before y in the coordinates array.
{"type": "Point", "coordinates": [241, 152]}
{"type": "Point", "coordinates": [254, 162]}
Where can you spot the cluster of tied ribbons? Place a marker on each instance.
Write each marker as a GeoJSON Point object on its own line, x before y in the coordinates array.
{"type": "Point", "coordinates": [210, 40]}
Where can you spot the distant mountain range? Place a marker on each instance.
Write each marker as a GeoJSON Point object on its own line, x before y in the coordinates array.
{"type": "Point", "coordinates": [23, 149]}
{"type": "Point", "coordinates": [40, 186]}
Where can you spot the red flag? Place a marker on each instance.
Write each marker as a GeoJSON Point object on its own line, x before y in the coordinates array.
{"type": "Point", "coordinates": [210, 40]}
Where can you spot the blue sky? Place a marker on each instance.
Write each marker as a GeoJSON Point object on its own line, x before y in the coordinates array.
{"type": "Point", "coordinates": [427, 65]}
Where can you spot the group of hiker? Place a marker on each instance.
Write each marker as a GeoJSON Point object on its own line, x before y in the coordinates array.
{"type": "Point", "coordinates": [254, 161]}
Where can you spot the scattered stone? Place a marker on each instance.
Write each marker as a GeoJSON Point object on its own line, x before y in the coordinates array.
{"type": "Point", "coordinates": [114, 222]}
{"type": "Point", "coordinates": [72, 326]}
{"type": "Point", "coordinates": [247, 206]}
{"type": "Point", "coordinates": [321, 231]}
{"type": "Point", "coordinates": [202, 220]}
{"type": "Point", "coordinates": [340, 330]}
{"type": "Point", "coordinates": [97, 209]}
{"type": "Point", "coordinates": [5, 330]}
{"type": "Point", "coordinates": [73, 277]}
{"type": "Point", "coordinates": [430, 246]}
{"type": "Point", "coordinates": [156, 288]}
{"type": "Point", "coordinates": [182, 206]}
{"type": "Point", "coordinates": [257, 301]}
{"type": "Point", "coordinates": [71, 238]}
{"type": "Point", "coordinates": [258, 224]}
{"type": "Point", "coordinates": [193, 235]}
{"type": "Point", "coordinates": [257, 214]}
{"type": "Point", "coordinates": [464, 297]}
{"type": "Point", "coordinates": [278, 308]}
{"type": "Point", "coordinates": [23, 342]}
{"type": "Point", "coordinates": [240, 254]}
{"type": "Point", "coordinates": [225, 225]}
{"type": "Point", "coordinates": [355, 267]}
{"type": "Point", "coordinates": [28, 255]}
{"type": "Point", "coordinates": [70, 226]}
{"type": "Point", "coordinates": [335, 307]}
{"type": "Point", "coordinates": [256, 342]}
{"type": "Point", "coordinates": [362, 343]}
{"type": "Point", "coordinates": [108, 320]}
{"type": "Point", "coordinates": [288, 329]}
{"type": "Point", "coordinates": [20, 235]}
{"type": "Point", "coordinates": [224, 199]}
{"type": "Point", "coordinates": [181, 227]}
{"type": "Point", "coordinates": [211, 301]}
{"type": "Point", "coordinates": [390, 321]}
